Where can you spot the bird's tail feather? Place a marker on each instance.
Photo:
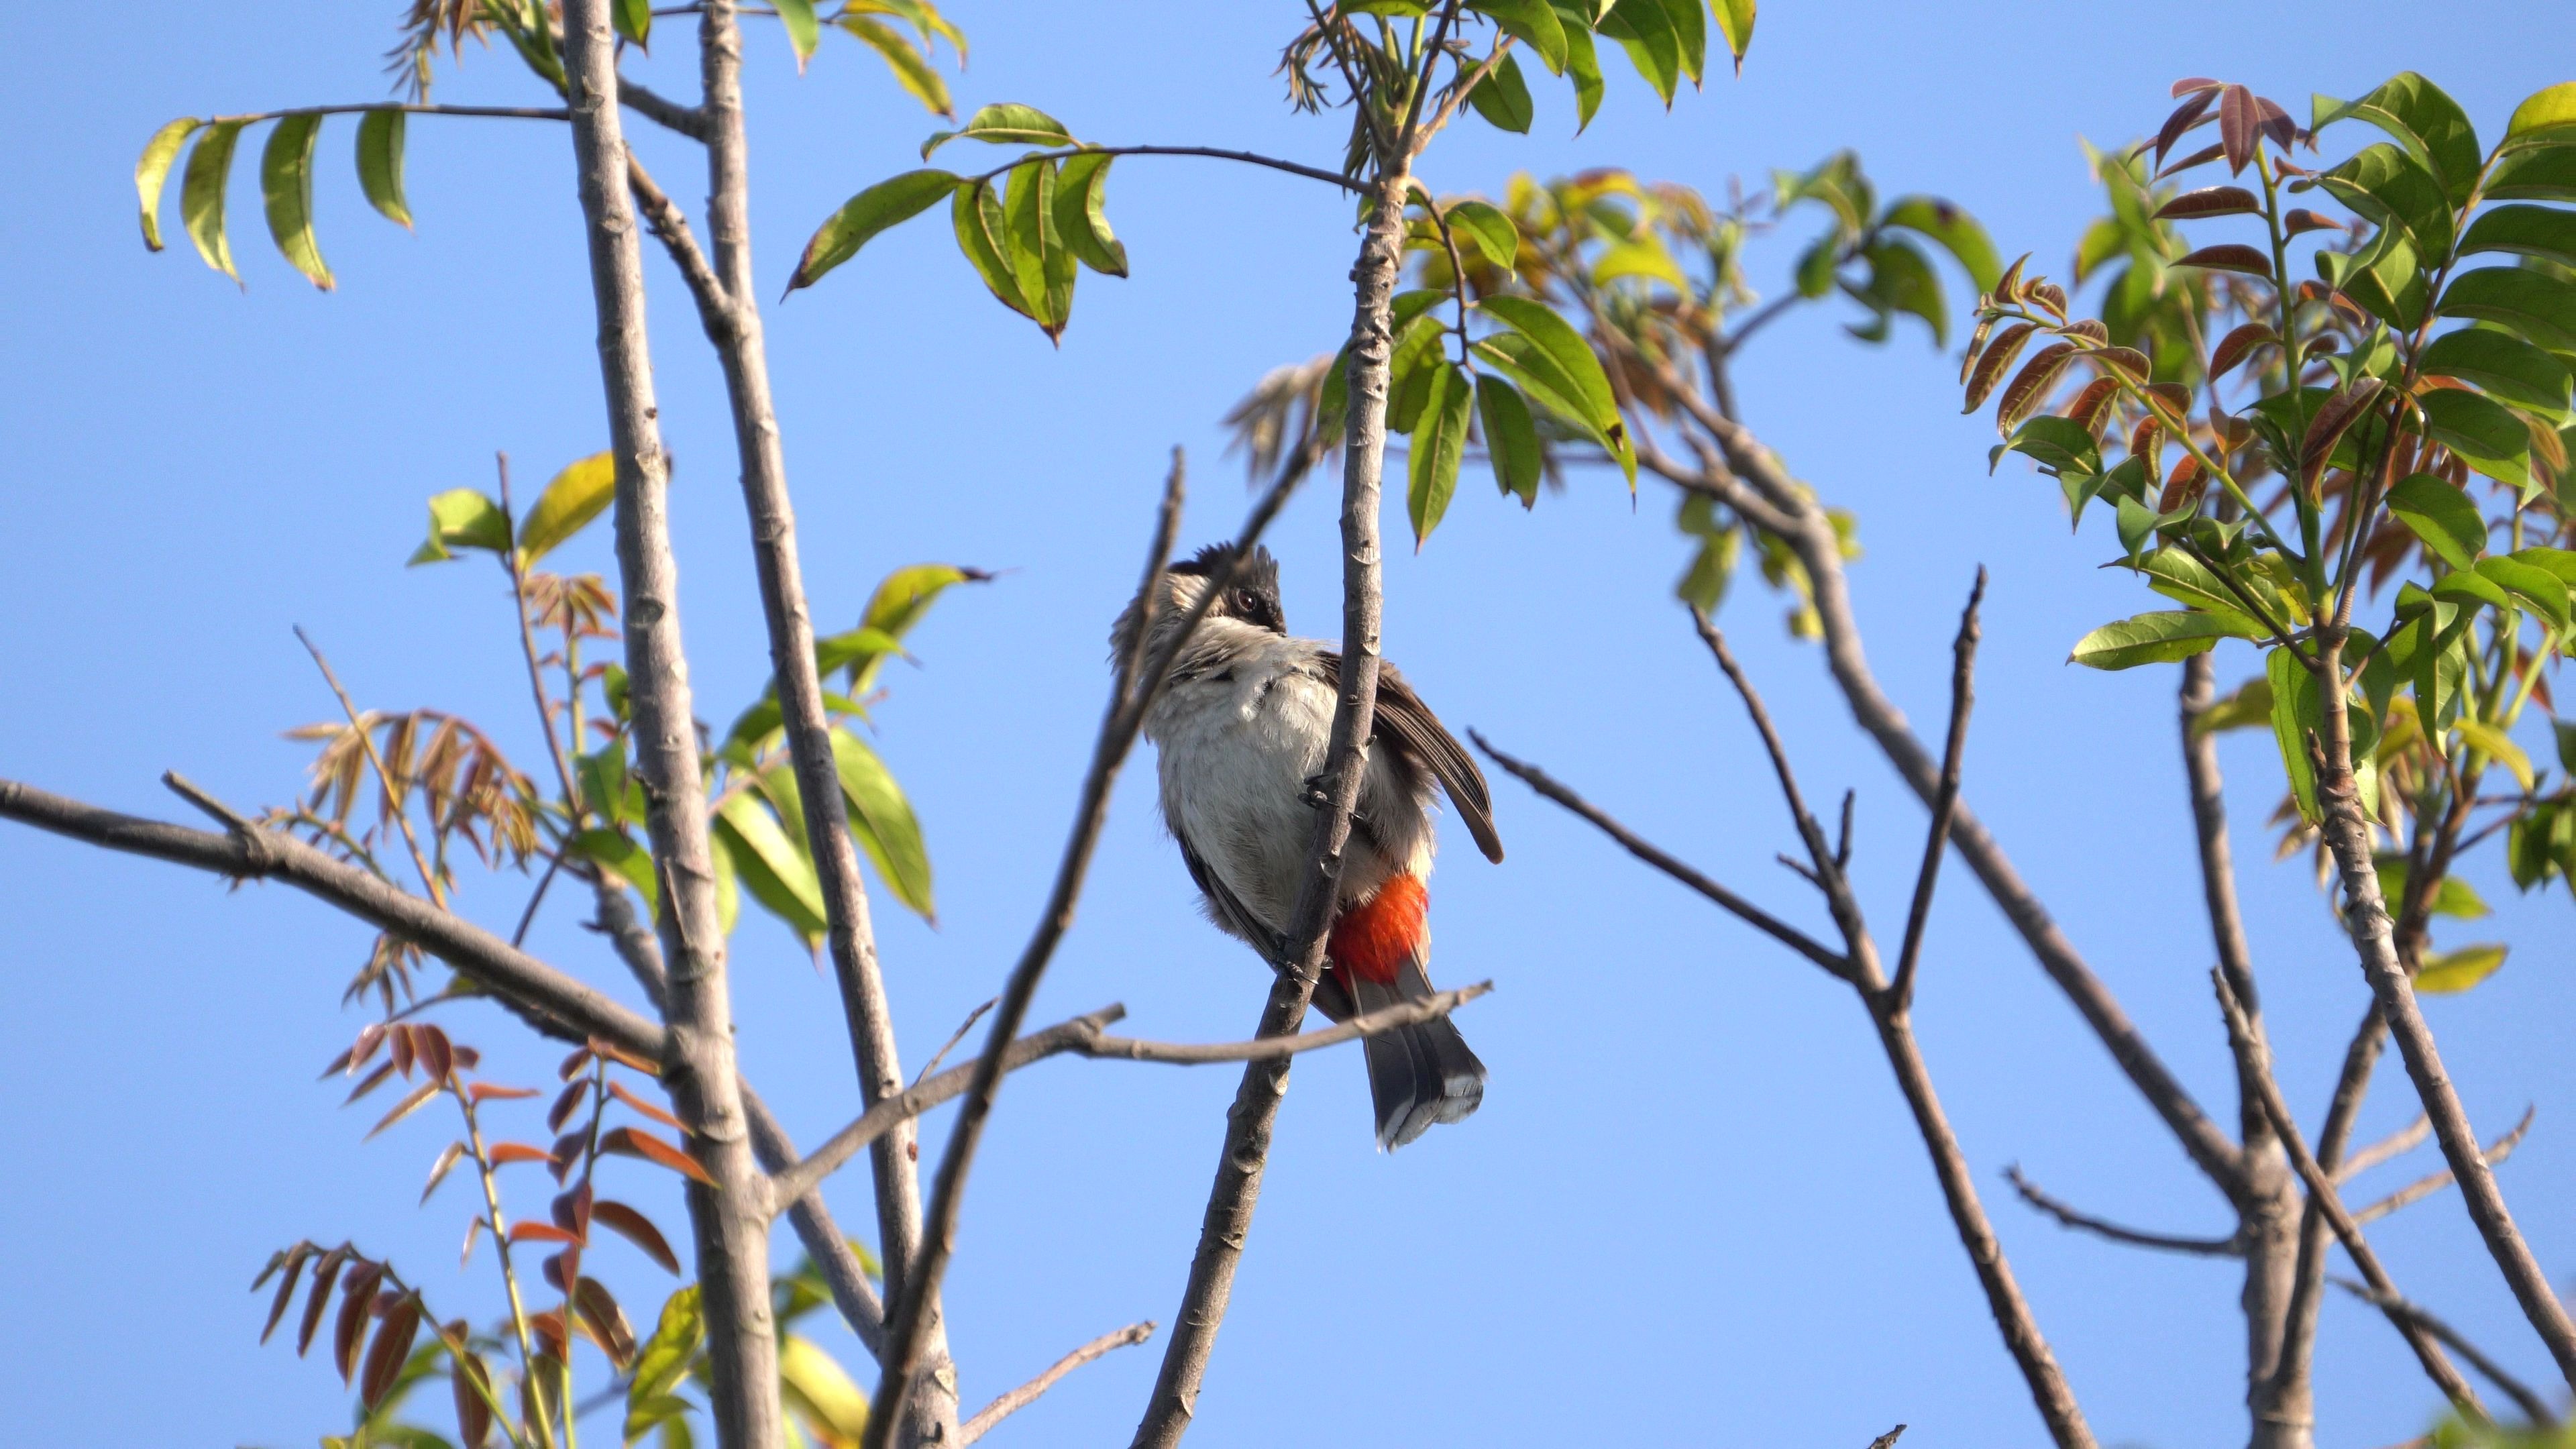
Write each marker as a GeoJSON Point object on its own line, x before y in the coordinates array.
{"type": "Point", "coordinates": [1421, 1074]}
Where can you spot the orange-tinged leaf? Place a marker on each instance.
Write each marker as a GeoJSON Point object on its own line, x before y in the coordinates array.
{"type": "Point", "coordinates": [2299, 221]}
{"type": "Point", "coordinates": [2184, 489]}
{"type": "Point", "coordinates": [2337, 414]}
{"type": "Point", "coordinates": [482, 1092]}
{"type": "Point", "coordinates": [618, 1090]}
{"type": "Point", "coordinates": [2229, 257]}
{"type": "Point", "coordinates": [2173, 401]}
{"type": "Point", "coordinates": [325, 1273]}
{"type": "Point", "coordinates": [526, 1232]}
{"type": "Point", "coordinates": [635, 1142]}
{"type": "Point", "coordinates": [392, 1346]}
{"type": "Point", "coordinates": [597, 1307]}
{"type": "Point", "coordinates": [2236, 347]}
{"type": "Point", "coordinates": [1990, 368]}
{"type": "Point", "coordinates": [419, 1098]}
{"type": "Point", "coordinates": [357, 1300]}
{"type": "Point", "coordinates": [624, 1058]}
{"type": "Point", "coordinates": [406, 1048]}
{"type": "Point", "coordinates": [473, 1230]}
{"type": "Point", "coordinates": [568, 1150]}
{"type": "Point", "coordinates": [571, 1211]}
{"type": "Point", "coordinates": [2089, 330]}
{"type": "Point", "coordinates": [2147, 445]}
{"type": "Point", "coordinates": [2009, 284]}
{"type": "Point", "coordinates": [505, 1153]}
{"type": "Point", "coordinates": [638, 1229]}
{"type": "Point", "coordinates": [549, 1329]}
{"type": "Point", "coordinates": [2129, 362]}
{"type": "Point", "coordinates": [438, 1169]}
{"type": "Point", "coordinates": [2027, 387]}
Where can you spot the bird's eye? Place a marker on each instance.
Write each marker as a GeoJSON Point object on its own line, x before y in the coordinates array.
{"type": "Point", "coordinates": [1243, 600]}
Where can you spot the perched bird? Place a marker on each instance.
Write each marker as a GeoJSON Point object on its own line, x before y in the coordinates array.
{"type": "Point", "coordinates": [1242, 730]}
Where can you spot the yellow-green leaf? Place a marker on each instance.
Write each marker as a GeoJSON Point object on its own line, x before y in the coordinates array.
{"type": "Point", "coordinates": [912, 70]}
{"type": "Point", "coordinates": [2544, 118]}
{"type": "Point", "coordinates": [286, 186]}
{"type": "Point", "coordinates": [380, 162]}
{"type": "Point", "coordinates": [2458, 970]}
{"type": "Point", "coordinates": [821, 1393]}
{"type": "Point", "coordinates": [153, 170]}
{"type": "Point", "coordinates": [662, 1362]}
{"type": "Point", "coordinates": [1735, 22]}
{"type": "Point", "coordinates": [575, 497]}
{"type": "Point", "coordinates": [884, 824]}
{"type": "Point", "coordinates": [891, 201]}
{"type": "Point", "coordinates": [803, 31]}
{"type": "Point", "coordinates": [2487, 740]}
{"type": "Point", "coordinates": [773, 867]}
{"type": "Point", "coordinates": [201, 194]}
{"type": "Point", "coordinates": [1080, 221]}
{"type": "Point", "coordinates": [462, 518]}
{"type": "Point", "coordinates": [2159, 638]}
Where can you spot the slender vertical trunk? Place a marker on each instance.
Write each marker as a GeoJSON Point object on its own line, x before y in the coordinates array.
{"type": "Point", "coordinates": [2277, 1396]}
{"type": "Point", "coordinates": [1228, 1223]}
{"type": "Point", "coordinates": [737, 336]}
{"type": "Point", "coordinates": [2347, 834]}
{"type": "Point", "coordinates": [730, 1219]}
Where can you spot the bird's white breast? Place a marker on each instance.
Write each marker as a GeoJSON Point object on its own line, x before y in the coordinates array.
{"type": "Point", "coordinates": [1237, 744]}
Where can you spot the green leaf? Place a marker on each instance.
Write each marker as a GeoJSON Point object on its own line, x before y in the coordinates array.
{"type": "Point", "coordinates": [2492, 742]}
{"type": "Point", "coordinates": [884, 824]}
{"type": "Point", "coordinates": [1483, 226]}
{"type": "Point", "coordinates": [2529, 231]}
{"type": "Point", "coordinates": [2558, 561]}
{"type": "Point", "coordinates": [201, 194]}
{"type": "Point", "coordinates": [976, 213]}
{"type": "Point", "coordinates": [2542, 590]}
{"type": "Point", "coordinates": [2542, 173]}
{"type": "Point", "coordinates": [2250, 705]}
{"type": "Point", "coordinates": [2480, 431]}
{"type": "Point", "coordinates": [380, 162]}
{"type": "Point", "coordinates": [2061, 445]}
{"type": "Point", "coordinates": [462, 518]}
{"type": "Point", "coordinates": [1957, 232]}
{"type": "Point", "coordinates": [1582, 67]}
{"type": "Point", "coordinates": [632, 862]}
{"type": "Point", "coordinates": [2386, 278]}
{"type": "Point", "coordinates": [899, 603]}
{"type": "Point", "coordinates": [1646, 33]}
{"type": "Point", "coordinates": [2467, 586]}
{"type": "Point", "coordinates": [1511, 438]}
{"type": "Point", "coordinates": [772, 865]}
{"type": "Point", "coordinates": [2174, 573]}
{"type": "Point", "coordinates": [2539, 307]}
{"type": "Point", "coordinates": [663, 1362]}
{"type": "Point", "coordinates": [1735, 22]}
{"type": "Point", "coordinates": [572, 499]}
{"type": "Point", "coordinates": [153, 169]}
{"type": "Point", "coordinates": [1689, 22]}
{"type": "Point", "coordinates": [1439, 441]}
{"type": "Point", "coordinates": [2158, 638]}
{"type": "Point", "coordinates": [2296, 712]}
{"type": "Point", "coordinates": [1409, 370]}
{"type": "Point", "coordinates": [286, 188]}
{"type": "Point", "coordinates": [891, 201]}
{"type": "Point", "coordinates": [1503, 98]}
{"type": "Point", "coordinates": [912, 70]}
{"type": "Point", "coordinates": [2504, 365]}
{"type": "Point", "coordinates": [2391, 188]}
{"type": "Point", "coordinates": [2429, 124]}
{"type": "Point", "coordinates": [1534, 24]}
{"type": "Point", "coordinates": [1004, 124]}
{"type": "Point", "coordinates": [1519, 359]}
{"type": "Point", "coordinates": [1039, 259]}
{"type": "Point", "coordinates": [2548, 116]}
{"type": "Point", "coordinates": [2454, 971]}
{"type": "Point", "coordinates": [634, 20]}
{"type": "Point", "coordinates": [1901, 280]}
{"type": "Point", "coordinates": [2454, 897]}
{"type": "Point", "coordinates": [1565, 347]}
{"type": "Point", "coordinates": [803, 31]}
{"type": "Point", "coordinates": [1080, 221]}
{"type": "Point", "coordinates": [2442, 516]}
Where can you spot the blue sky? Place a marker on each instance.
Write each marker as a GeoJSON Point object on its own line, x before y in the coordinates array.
{"type": "Point", "coordinates": [1692, 1204]}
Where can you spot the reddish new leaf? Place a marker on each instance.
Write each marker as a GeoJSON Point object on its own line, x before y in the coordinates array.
{"type": "Point", "coordinates": [438, 1170]}
{"type": "Point", "coordinates": [2274, 122]}
{"type": "Point", "coordinates": [466, 1375]}
{"type": "Point", "coordinates": [598, 1308]}
{"type": "Point", "coordinates": [2053, 297]}
{"type": "Point", "coordinates": [406, 1053]}
{"type": "Point", "coordinates": [2087, 331]}
{"type": "Point", "coordinates": [437, 1057]}
{"type": "Point", "coordinates": [2236, 347]}
{"type": "Point", "coordinates": [2191, 83]}
{"type": "Point", "coordinates": [573, 1065]}
{"type": "Point", "coordinates": [1990, 368]}
{"type": "Point", "coordinates": [618, 1090]}
{"type": "Point", "coordinates": [294, 1266]}
{"type": "Point", "coordinates": [549, 1329]}
{"type": "Point", "coordinates": [531, 1232]}
{"type": "Point", "coordinates": [601, 1046]}
{"type": "Point", "coordinates": [2008, 286]}
{"type": "Point", "coordinates": [571, 1211]}
{"type": "Point", "coordinates": [2092, 404]}
{"type": "Point", "coordinates": [2237, 118]}
{"type": "Point", "coordinates": [2028, 386]}
{"type": "Point", "coordinates": [473, 1230]}
{"type": "Point", "coordinates": [635, 1142]}
{"type": "Point", "coordinates": [482, 1092]}
{"type": "Point", "coordinates": [325, 1273]}
{"type": "Point", "coordinates": [2230, 257]}
{"type": "Point", "coordinates": [2173, 400]}
{"type": "Point", "coordinates": [2300, 220]}
{"type": "Point", "coordinates": [2210, 201]}
{"type": "Point", "coordinates": [2201, 157]}
{"type": "Point", "coordinates": [568, 1150]}
{"type": "Point", "coordinates": [2127, 361]}
{"type": "Point", "coordinates": [565, 1104]}
{"type": "Point", "coordinates": [392, 1346]}
{"type": "Point", "coordinates": [357, 1300]}
{"type": "Point", "coordinates": [505, 1153]}
{"type": "Point", "coordinates": [372, 1081]}
{"type": "Point", "coordinates": [638, 1229]}
{"type": "Point", "coordinates": [371, 1037]}
{"type": "Point", "coordinates": [2184, 489]}
{"type": "Point", "coordinates": [560, 1270]}
{"type": "Point", "coordinates": [2336, 416]}
{"type": "Point", "coordinates": [419, 1098]}
{"type": "Point", "coordinates": [2185, 117]}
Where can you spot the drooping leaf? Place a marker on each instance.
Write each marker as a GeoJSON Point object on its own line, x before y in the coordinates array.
{"type": "Point", "coordinates": [380, 162]}
{"type": "Point", "coordinates": [804, 32]}
{"type": "Point", "coordinates": [1735, 23]}
{"type": "Point", "coordinates": [772, 865]}
{"type": "Point", "coordinates": [891, 201]}
{"type": "Point", "coordinates": [882, 821]}
{"type": "Point", "coordinates": [2456, 971]}
{"type": "Point", "coordinates": [2158, 638]}
{"type": "Point", "coordinates": [1646, 33]}
{"type": "Point", "coordinates": [976, 212]}
{"type": "Point", "coordinates": [2504, 365]}
{"type": "Point", "coordinates": [393, 1341]}
{"type": "Point", "coordinates": [1582, 66]}
{"type": "Point", "coordinates": [821, 1392]}
{"type": "Point", "coordinates": [912, 70]}
{"type": "Point", "coordinates": [2537, 588]}
{"type": "Point", "coordinates": [1004, 124]}
{"type": "Point", "coordinates": [1955, 230]}
{"type": "Point", "coordinates": [1483, 226]}
{"type": "Point", "coordinates": [618, 852]}
{"type": "Point", "coordinates": [1534, 24]}
{"type": "Point", "coordinates": [633, 20]}
{"type": "Point", "coordinates": [1080, 221]}
{"type": "Point", "coordinates": [636, 1228]}
{"type": "Point", "coordinates": [2442, 516]}
{"type": "Point", "coordinates": [1565, 347]}
{"type": "Point", "coordinates": [575, 496]}
{"type": "Point", "coordinates": [2480, 431]}
{"type": "Point", "coordinates": [152, 170]}
{"type": "Point", "coordinates": [2296, 712]}
{"type": "Point", "coordinates": [1439, 442]}
{"type": "Point", "coordinates": [1503, 98]}
{"type": "Point", "coordinates": [201, 194]}
{"type": "Point", "coordinates": [2060, 445]}
{"type": "Point", "coordinates": [636, 1142]}
{"type": "Point", "coordinates": [462, 518]}
{"type": "Point", "coordinates": [1511, 438]}
{"type": "Point", "coordinates": [663, 1362]}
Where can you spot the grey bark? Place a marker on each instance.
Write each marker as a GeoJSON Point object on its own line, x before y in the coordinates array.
{"type": "Point", "coordinates": [1237, 1189]}
{"type": "Point", "coordinates": [729, 1219]}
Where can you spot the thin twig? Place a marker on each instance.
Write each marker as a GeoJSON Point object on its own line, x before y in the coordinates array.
{"type": "Point", "coordinates": [2532, 1405]}
{"type": "Point", "coordinates": [1945, 798]}
{"type": "Point", "coordinates": [2231, 1246]}
{"type": "Point", "coordinates": [1027, 1393]}
{"type": "Point", "coordinates": [1761, 920]}
{"type": "Point", "coordinates": [393, 793]}
{"type": "Point", "coordinates": [2395, 1145]}
{"type": "Point", "coordinates": [2431, 1183]}
{"type": "Point", "coordinates": [954, 1038]}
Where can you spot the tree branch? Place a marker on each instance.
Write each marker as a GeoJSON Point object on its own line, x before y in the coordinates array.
{"type": "Point", "coordinates": [2246, 1040]}
{"type": "Point", "coordinates": [2231, 1246]}
{"type": "Point", "coordinates": [1027, 1393]}
{"type": "Point", "coordinates": [689, 121]}
{"type": "Point", "coordinates": [250, 853]}
{"type": "Point", "coordinates": [1945, 797]}
{"type": "Point", "coordinates": [2431, 1183]}
{"type": "Point", "coordinates": [2532, 1405]}
{"type": "Point", "coordinates": [730, 1217]}
{"type": "Point", "coordinates": [2396, 1144]}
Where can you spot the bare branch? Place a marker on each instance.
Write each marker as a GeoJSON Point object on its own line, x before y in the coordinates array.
{"type": "Point", "coordinates": [1945, 798]}
{"type": "Point", "coordinates": [1761, 920]}
{"type": "Point", "coordinates": [249, 853]}
{"type": "Point", "coordinates": [2396, 1144]}
{"type": "Point", "coordinates": [2231, 1246]}
{"type": "Point", "coordinates": [1027, 1393]}
{"type": "Point", "coordinates": [2245, 1038]}
{"type": "Point", "coordinates": [2431, 1183]}
{"type": "Point", "coordinates": [2532, 1405]}
{"type": "Point", "coordinates": [689, 121]}
{"type": "Point", "coordinates": [954, 1038]}
{"type": "Point", "coordinates": [1273, 1048]}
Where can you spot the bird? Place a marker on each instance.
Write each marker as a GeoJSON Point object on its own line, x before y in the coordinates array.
{"type": "Point", "coordinates": [1241, 732]}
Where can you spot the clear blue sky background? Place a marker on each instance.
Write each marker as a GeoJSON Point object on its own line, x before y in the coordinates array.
{"type": "Point", "coordinates": [1692, 1209]}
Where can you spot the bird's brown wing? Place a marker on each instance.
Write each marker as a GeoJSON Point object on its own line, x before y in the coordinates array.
{"type": "Point", "coordinates": [1402, 714]}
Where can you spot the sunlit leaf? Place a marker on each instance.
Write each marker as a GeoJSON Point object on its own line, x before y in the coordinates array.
{"type": "Point", "coordinates": [634, 20]}
{"type": "Point", "coordinates": [636, 1142]}
{"type": "Point", "coordinates": [883, 822]}
{"type": "Point", "coordinates": [152, 170]}
{"type": "Point", "coordinates": [889, 202]}
{"type": "Point", "coordinates": [463, 518]}
{"type": "Point", "coordinates": [380, 162]}
{"type": "Point", "coordinates": [2455, 971]}
{"type": "Point", "coordinates": [1957, 232]}
{"type": "Point", "coordinates": [2159, 638]}
{"type": "Point", "coordinates": [821, 1393]}
{"type": "Point", "coordinates": [663, 1362]}
{"type": "Point", "coordinates": [773, 867]}
{"type": "Point", "coordinates": [804, 32]}
{"type": "Point", "coordinates": [1080, 221]}
{"type": "Point", "coordinates": [1502, 98]}
{"type": "Point", "coordinates": [575, 496]}
{"type": "Point", "coordinates": [1439, 442]}
{"type": "Point", "coordinates": [1534, 24]}
{"type": "Point", "coordinates": [912, 70]}
{"type": "Point", "coordinates": [1735, 22]}
{"type": "Point", "coordinates": [2548, 116]}
{"type": "Point", "coordinates": [2427, 123]}
{"type": "Point", "coordinates": [636, 1228]}
{"type": "Point", "coordinates": [2442, 516]}
{"type": "Point", "coordinates": [201, 194]}
{"type": "Point", "coordinates": [1511, 438]}
{"type": "Point", "coordinates": [1004, 124]}
{"type": "Point", "coordinates": [1482, 226]}
{"type": "Point", "coordinates": [2541, 308]}
{"type": "Point", "coordinates": [2504, 365]}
